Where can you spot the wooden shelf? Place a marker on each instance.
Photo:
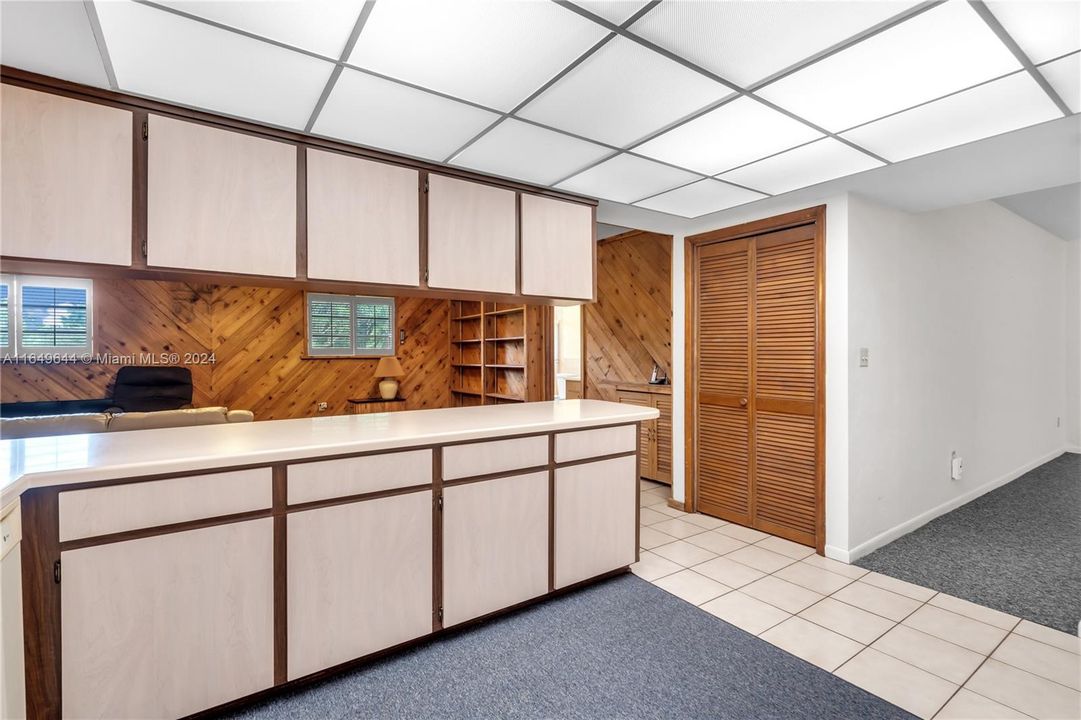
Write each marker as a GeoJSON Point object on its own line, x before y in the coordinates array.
{"type": "Point", "coordinates": [462, 391]}
{"type": "Point", "coordinates": [509, 311]}
{"type": "Point", "coordinates": [500, 396]}
{"type": "Point", "coordinates": [505, 367]}
{"type": "Point", "coordinates": [466, 365]}
{"type": "Point", "coordinates": [466, 342]}
{"type": "Point", "coordinates": [512, 338]}
{"type": "Point", "coordinates": [475, 316]}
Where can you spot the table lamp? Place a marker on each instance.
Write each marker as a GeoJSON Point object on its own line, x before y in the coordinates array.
{"type": "Point", "coordinates": [388, 369]}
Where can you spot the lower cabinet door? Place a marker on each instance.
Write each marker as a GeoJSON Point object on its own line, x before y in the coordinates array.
{"type": "Point", "coordinates": [495, 545]}
{"type": "Point", "coordinates": [164, 626]}
{"type": "Point", "coordinates": [595, 518]}
{"type": "Point", "coordinates": [359, 579]}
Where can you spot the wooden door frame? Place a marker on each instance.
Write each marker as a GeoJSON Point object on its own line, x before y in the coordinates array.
{"type": "Point", "coordinates": [816, 216]}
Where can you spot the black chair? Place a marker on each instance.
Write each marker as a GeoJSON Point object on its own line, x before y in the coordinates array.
{"type": "Point", "coordinates": [146, 389]}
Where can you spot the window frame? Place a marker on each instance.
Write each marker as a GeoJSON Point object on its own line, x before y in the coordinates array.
{"type": "Point", "coordinates": [354, 301]}
{"type": "Point", "coordinates": [16, 348]}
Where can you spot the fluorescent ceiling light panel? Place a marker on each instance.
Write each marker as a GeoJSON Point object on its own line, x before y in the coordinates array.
{"type": "Point", "coordinates": [700, 198]}
{"type": "Point", "coordinates": [516, 149]}
{"type": "Point", "coordinates": [745, 42]}
{"type": "Point", "coordinates": [1044, 29]}
{"type": "Point", "coordinates": [379, 113]}
{"type": "Point", "coordinates": [1065, 77]}
{"type": "Point", "coordinates": [807, 165]}
{"type": "Point", "coordinates": [161, 55]}
{"type": "Point", "coordinates": [319, 26]}
{"type": "Point", "coordinates": [614, 11]}
{"type": "Point", "coordinates": [622, 93]}
{"type": "Point", "coordinates": [626, 178]}
{"type": "Point", "coordinates": [490, 52]}
{"type": "Point", "coordinates": [51, 38]}
{"type": "Point", "coordinates": [1008, 104]}
{"type": "Point", "coordinates": [940, 51]}
{"type": "Point", "coordinates": [734, 134]}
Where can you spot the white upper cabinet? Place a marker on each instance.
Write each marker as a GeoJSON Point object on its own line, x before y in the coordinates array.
{"type": "Point", "coordinates": [557, 248]}
{"type": "Point", "coordinates": [363, 220]}
{"type": "Point", "coordinates": [65, 169]}
{"type": "Point", "coordinates": [220, 201]}
{"type": "Point", "coordinates": [472, 236]}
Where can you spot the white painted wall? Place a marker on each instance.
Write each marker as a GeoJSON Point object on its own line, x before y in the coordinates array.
{"type": "Point", "coordinates": [963, 311]}
{"type": "Point", "coordinates": [1072, 269]}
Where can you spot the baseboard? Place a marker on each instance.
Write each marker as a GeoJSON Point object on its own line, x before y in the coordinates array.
{"type": "Point", "coordinates": [923, 518]}
{"type": "Point", "coordinates": [840, 554]}
{"type": "Point", "coordinates": [1073, 449]}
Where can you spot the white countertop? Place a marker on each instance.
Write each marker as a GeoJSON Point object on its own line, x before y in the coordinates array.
{"type": "Point", "coordinates": [65, 459]}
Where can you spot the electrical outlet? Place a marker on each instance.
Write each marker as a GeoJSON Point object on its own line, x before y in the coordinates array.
{"type": "Point", "coordinates": [865, 357]}
{"type": "Point", "coordinates": [321, 407]}
{"type": "Point", "coordinates": [957, 466]}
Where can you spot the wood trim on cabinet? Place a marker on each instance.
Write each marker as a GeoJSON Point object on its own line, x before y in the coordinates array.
{"type": "Point", "coordinates": [422, 208]}
{"type": "Point", "coordinates": [810, 216]}
{"type": "Point", "coordinates": [302, 214]}
{"type": "Point", "coordinates": [280, 494]}
{"type": "Point", "coordinates": [139, 178]}
{"type": "Point", "coordinates": [552, 512]}
{"type": "Point", "coordinates": [437, 539]}
{"type": "Point", "coordinates": [41, 601]}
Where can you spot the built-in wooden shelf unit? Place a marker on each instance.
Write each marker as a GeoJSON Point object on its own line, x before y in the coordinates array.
{"type": "Point", "coordinates": [497, 352]}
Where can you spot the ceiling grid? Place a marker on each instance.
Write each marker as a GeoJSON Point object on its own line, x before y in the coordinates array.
{"type": "Point", "coordinates": [553, 92]}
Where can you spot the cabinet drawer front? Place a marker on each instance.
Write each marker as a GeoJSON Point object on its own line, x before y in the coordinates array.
{"type": "Point", "coordinates": [595, 518]}
{"type": "Point", "coordinates": [118, 508]}
{"type": "Point", "coordinates": [595, 443]}
{"type": "Point", "coordinates": [495, 545]}
{"type": "Point", "coordinates": [354, 476]}
{"type": "Point", "coordinates": [484, 458]}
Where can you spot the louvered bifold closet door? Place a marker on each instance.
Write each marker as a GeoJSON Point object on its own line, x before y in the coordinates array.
{"type": "Point", "coordinates": [785, 383]}
{"type": "Point", "coordinates": [723, 298]}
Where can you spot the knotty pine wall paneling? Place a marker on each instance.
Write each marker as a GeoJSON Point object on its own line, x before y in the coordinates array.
{"type": "Point", "coordinates": [258, 338]}
{"type": "Point", "coordinates": [629, 327]}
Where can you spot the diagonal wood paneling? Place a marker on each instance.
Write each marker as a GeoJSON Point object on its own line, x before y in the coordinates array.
{"type": "Point", "coordinates": [629, 328]}
{"type": "Point", "coordinates": [257, 337]}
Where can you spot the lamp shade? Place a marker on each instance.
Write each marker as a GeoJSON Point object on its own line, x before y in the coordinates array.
{"type": "Point", "coordinates": [389, 367]}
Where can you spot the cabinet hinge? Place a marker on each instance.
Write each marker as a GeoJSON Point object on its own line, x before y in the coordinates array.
{"type": "Point", "coordinates": [425, 184]}
{"type": "Point", "coordinates": [440, 611]}
{"type": "Point", "coordinates": [425, 275]}
{"type": "Point", "coordinates": [56, 572]}
{"type": "Point", "coordinates": [146, 130]}
{"type": "Point", "coordinates": [439, 501]}
{"type": "Point", "coordinates": [142, 246]}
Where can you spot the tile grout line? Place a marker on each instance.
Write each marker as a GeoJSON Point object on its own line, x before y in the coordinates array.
{"type": "Point", "coordinates": [973, 673]}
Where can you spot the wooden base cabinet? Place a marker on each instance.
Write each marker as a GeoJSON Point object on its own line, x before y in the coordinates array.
{"type": "Point", "coordinates": [656, 434]}
{"type": "Point", "coordinates": [495, 545]}
{"type": "Point", "coordinates": [359, 579]}
{"type": "Point", "coordinates": [167, 625]}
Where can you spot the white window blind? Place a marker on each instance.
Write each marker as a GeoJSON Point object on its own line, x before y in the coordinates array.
{"type": "Point", "coordinates": [45, 315]}
{"type": "Point", "coordinates": [350, 325]}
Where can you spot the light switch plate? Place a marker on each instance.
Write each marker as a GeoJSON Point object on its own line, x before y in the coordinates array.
{"type": "Point", "coordinates": [865, 357]}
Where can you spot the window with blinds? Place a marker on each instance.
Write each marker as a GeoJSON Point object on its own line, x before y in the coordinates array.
{"type": "Point", "coordinates": [350, 326]}
{"type": "Point", "coordinates": [45, 315]}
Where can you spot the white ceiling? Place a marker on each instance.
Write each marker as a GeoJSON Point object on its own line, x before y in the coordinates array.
{"type": "Point", "coordinates": [686, 107]}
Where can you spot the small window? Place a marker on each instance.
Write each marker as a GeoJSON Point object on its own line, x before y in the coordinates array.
{"type": "Point", "coordinates": [45, 315]}
{"type": "Point", "coordinates": [350, 326]}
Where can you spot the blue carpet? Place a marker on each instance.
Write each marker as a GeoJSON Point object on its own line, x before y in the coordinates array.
{"type": "Point", "coordinates": [619, 649]}
{"type": "Point", "coordinates": [1016, 549]}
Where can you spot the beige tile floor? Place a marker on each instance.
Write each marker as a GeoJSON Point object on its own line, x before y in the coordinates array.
{"type": "Point", "coordinates": [932, 654]}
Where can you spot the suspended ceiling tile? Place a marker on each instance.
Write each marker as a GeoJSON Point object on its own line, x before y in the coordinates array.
{"type": "Point", "coordinates": [516, 149]}
{"type": "Point", "coordinates": [734, 134]}
{"type": "Point", "coordinates": [51, 38]}
{"type": "Point", "coordinates": [1065, 77]}
{"type": "Point", "coordinates": [1044, 29]}
{"type": "Point", "coordinates": [700, 198]}
{"type": "Point", "coordinates": [622, 93]}
{"type": "Point", "coordinates": [940, 51]}
{"type": "Point", "coordinates": [159, 54]}
{"type": "Point", "coordinates": [491, 52]}
{"type": "Point", "coordinates": [626, 178]}
{"type": "Point", "coordinates": [1008, 104]}
{"type": "Point", "coordinates": [320, 26]}
{"type": "Point", "coordinates": [745, 42]}
{"type": "Point", "coordinates": [382, 114]}
{"type": "Point", "coordinates": [807, 165]}
{"type": "Point", "coordinates": [614, 11]}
